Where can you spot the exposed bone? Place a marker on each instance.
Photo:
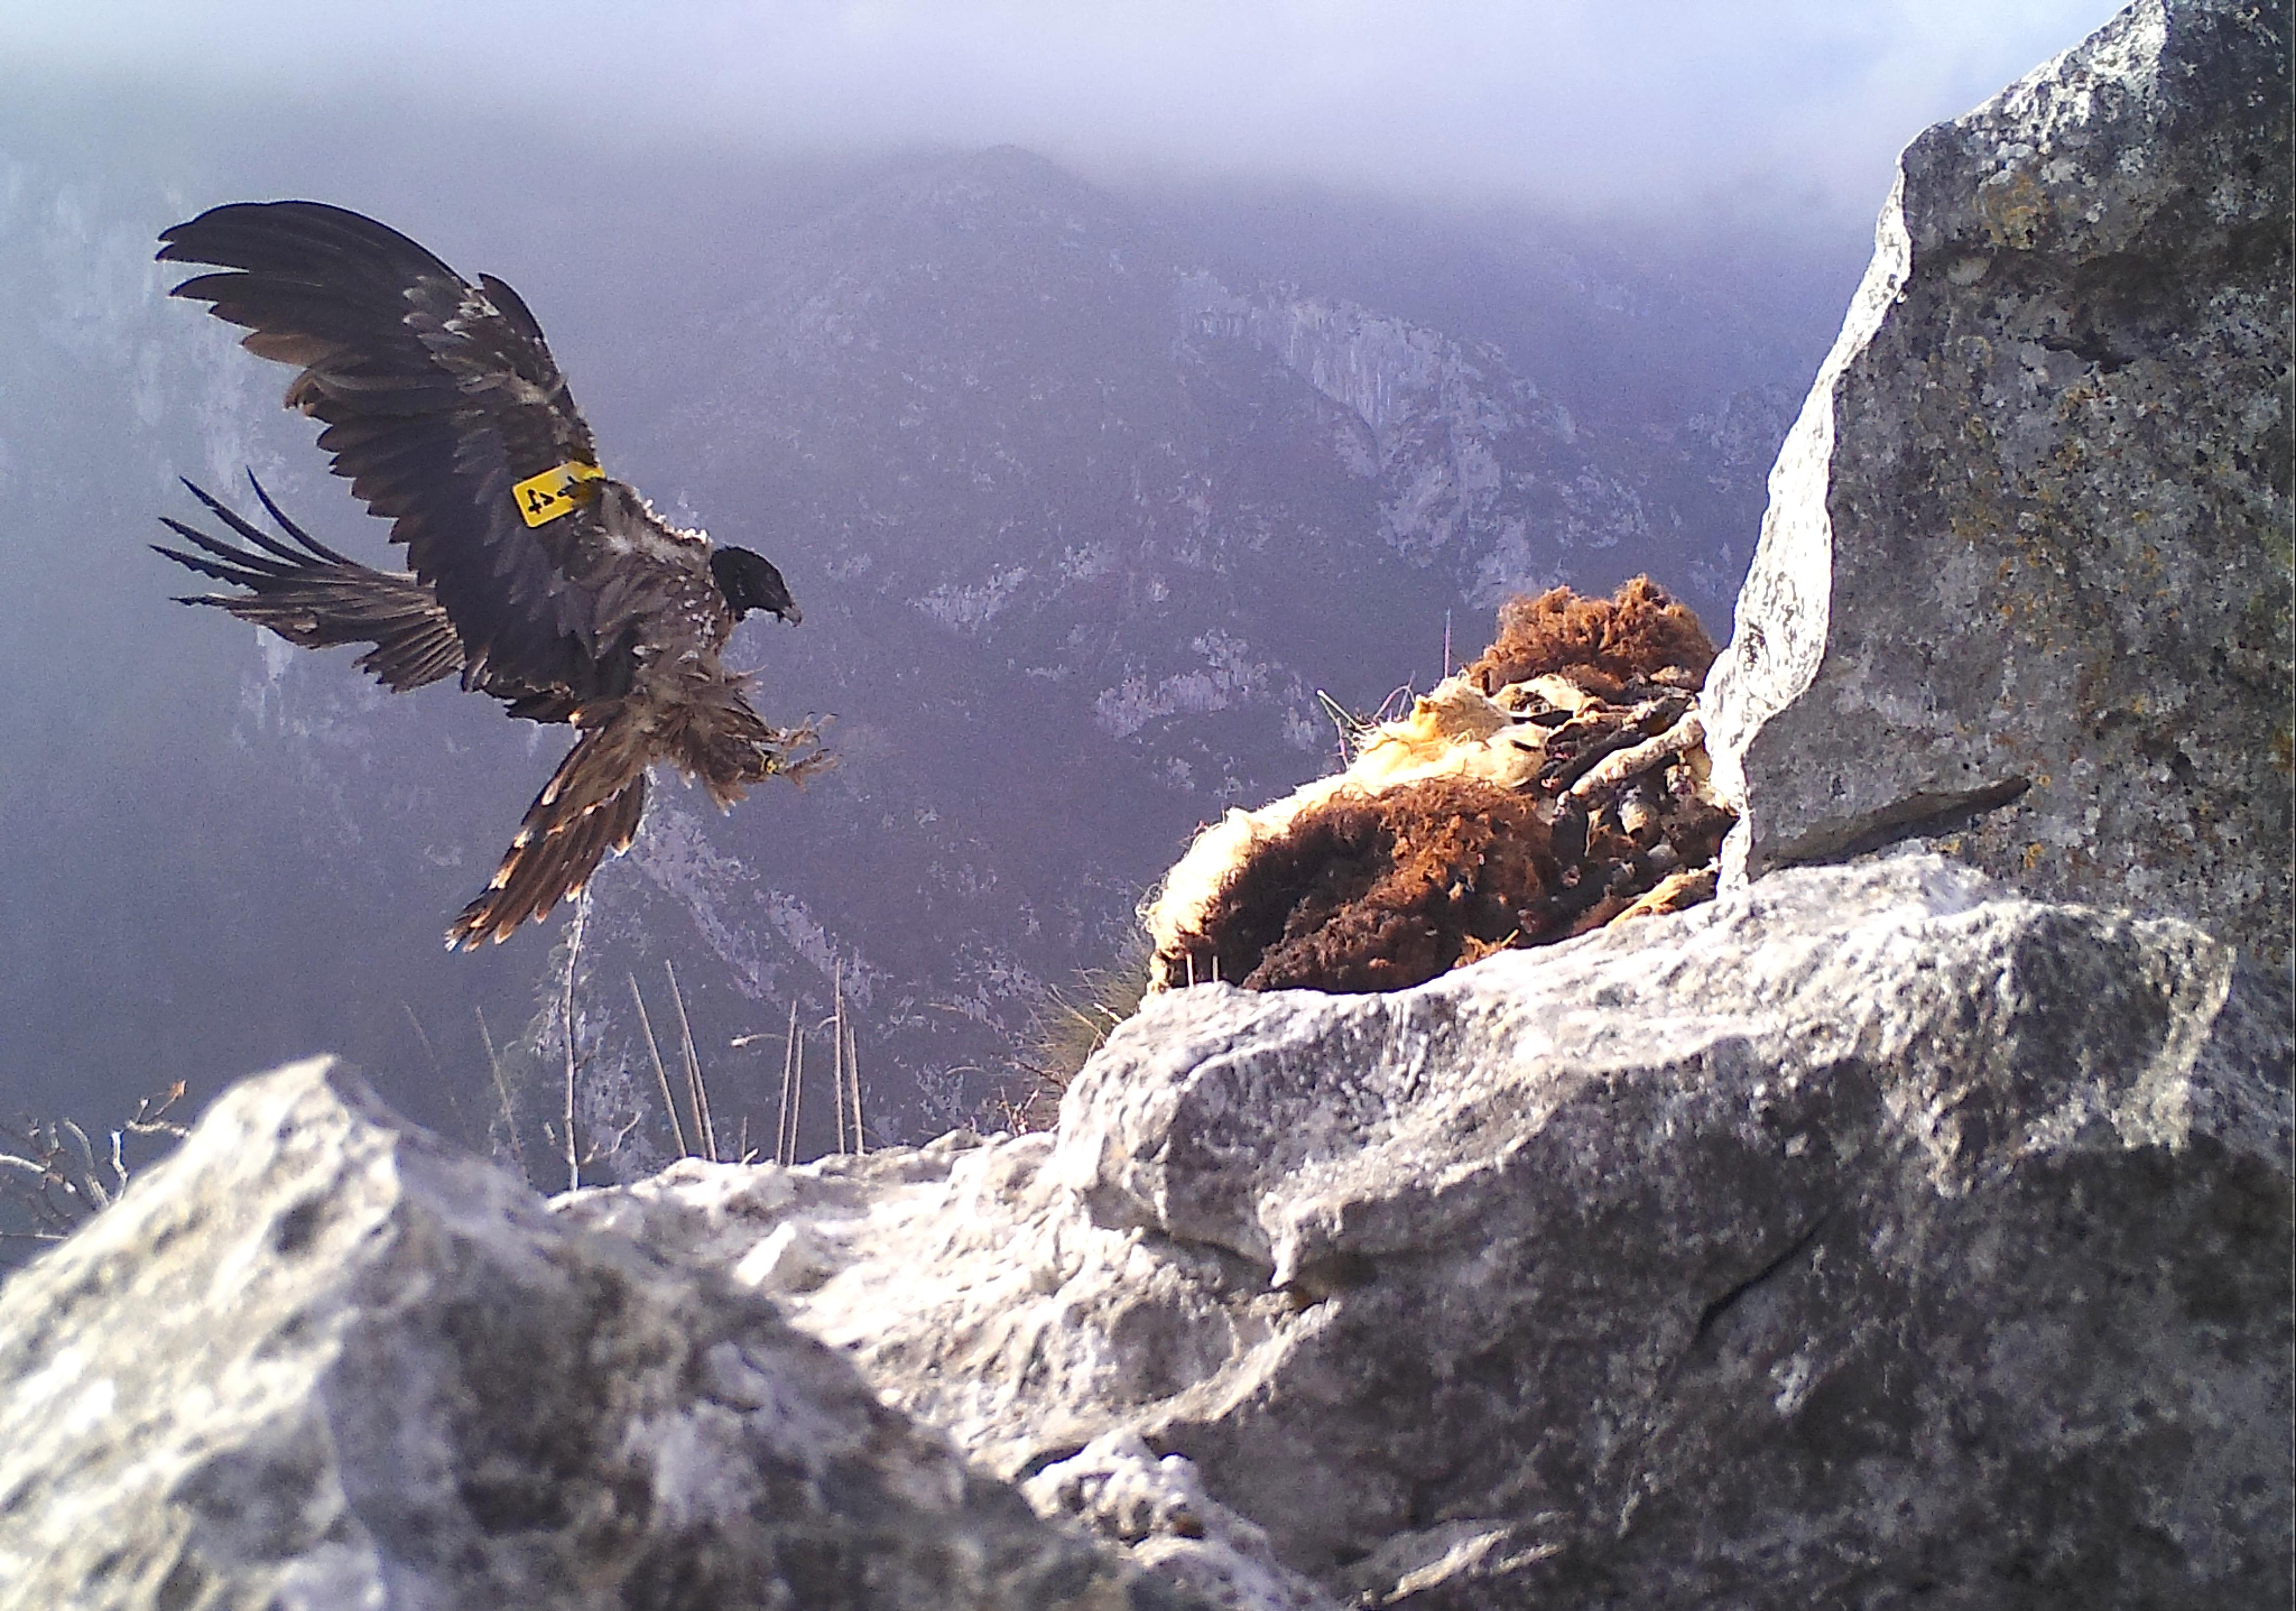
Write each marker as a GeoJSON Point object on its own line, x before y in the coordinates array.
{"type": "Point", "coordinates": [1637, 817]}
{"type": "Point", "coordinates": [1677, 892]}
{"type": "Point", "coordinates": [1621, 765]}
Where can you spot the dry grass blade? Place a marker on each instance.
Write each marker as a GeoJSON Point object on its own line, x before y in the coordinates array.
{"type": "Point", "coordinates": [423, 1036]}
{"type": "Point", "coordinates": [502, 1092]}
{"type": "Point", "coordinates": [797, 1104]}
{"type": "Point", "coordinates": [697, 1089]}
{"type": "Point", "coordinates": [853, 1079]}
{"type": "Point", "coordinates": [1069, 1025]}
{"type": "Point", "coordinates": [660, 1074]}
{"type": "Point", "coordinates": [837, 1053]}
{"type": "Point", "coordinates": [573, 1065]}
{"type": "Point", "coordinates": [789, 1066]}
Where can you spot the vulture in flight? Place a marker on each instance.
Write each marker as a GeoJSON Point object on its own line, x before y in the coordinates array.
{"type": "Point", "coordinates": [533, 574]}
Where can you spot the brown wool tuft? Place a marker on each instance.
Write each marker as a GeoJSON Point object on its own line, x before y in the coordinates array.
{"type": "Point", "coordinates": [1382, 892]}
{"type": "Point", "coordinates": [1634, 634]}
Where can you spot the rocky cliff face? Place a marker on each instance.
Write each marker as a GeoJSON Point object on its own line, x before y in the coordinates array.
{"type": "Point", "coordinates": [2032, 531]}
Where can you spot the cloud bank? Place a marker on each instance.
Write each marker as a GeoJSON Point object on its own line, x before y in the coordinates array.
{"type": "Point", "coordinates": [1628, 105]}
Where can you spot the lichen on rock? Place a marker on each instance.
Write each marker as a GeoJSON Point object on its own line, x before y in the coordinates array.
{"type": "Point", "coordinates": [2029, 538]}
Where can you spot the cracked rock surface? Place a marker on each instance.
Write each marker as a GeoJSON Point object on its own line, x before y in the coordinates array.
{"type": "Point", "coordinates": [317, 1361]}
{"type": "Point", "coordinates": [2032, 525]}
{"type": "Point", "coordinates": [1872, 1236]}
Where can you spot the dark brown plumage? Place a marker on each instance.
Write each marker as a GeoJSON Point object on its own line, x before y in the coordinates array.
{"type": "Point", "coordinates": [540, 579]}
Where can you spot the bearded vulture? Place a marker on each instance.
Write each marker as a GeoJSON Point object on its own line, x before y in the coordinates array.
{"type": "Point", "coordinates": [537, 577]}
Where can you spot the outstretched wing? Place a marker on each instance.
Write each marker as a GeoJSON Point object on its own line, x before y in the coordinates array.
{"type": "Point", "coordinates": [444, 410]}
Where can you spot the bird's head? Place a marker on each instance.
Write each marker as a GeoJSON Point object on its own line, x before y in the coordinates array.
{"type": "Point", "coordinates": [749, 582]}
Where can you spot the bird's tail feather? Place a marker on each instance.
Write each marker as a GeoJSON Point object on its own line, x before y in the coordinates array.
{"type": "Point", "coordinates": [590, 806]}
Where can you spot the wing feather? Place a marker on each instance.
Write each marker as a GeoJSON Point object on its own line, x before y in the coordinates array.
{"type": "Point", "coordinates": [437, 396]}
{"type": "Point", "coordinates": [312, 596]}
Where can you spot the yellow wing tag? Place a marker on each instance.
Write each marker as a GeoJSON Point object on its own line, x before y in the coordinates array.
{"type": "Point", "coordinates": [556, 491]}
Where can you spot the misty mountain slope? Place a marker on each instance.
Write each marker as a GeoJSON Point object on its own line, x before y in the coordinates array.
{"type": "Point", "coordinates": [1080, 522]}
{"type": "Point", "coordinates": [989, 396]}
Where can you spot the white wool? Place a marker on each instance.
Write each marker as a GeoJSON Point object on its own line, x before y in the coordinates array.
{"type": "Point", "coordinates": [1189, 889]}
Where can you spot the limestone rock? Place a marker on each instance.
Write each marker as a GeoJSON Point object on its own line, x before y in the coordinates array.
{"type": "Point", "coordinates": [1870, 1235]}
{"type": "Point", "coordinates": [317, 1361]}
{"type": "Point", "coordinates": [1159, 1509]}
{"type": "Point", "coordinates": [2032, 527]}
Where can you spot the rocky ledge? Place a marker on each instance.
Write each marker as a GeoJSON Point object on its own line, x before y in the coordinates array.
{"type": "Point", "coordinates": [319, 1361]}
{"type": "Point", "coordinates": [1870, 1236]}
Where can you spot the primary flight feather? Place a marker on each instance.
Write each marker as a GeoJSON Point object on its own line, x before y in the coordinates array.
{"type": "Point", "coordinates": [538, 577]}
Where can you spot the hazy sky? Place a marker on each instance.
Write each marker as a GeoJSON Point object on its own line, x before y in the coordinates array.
{"type": "Point", "coordinates": [1634, 103]}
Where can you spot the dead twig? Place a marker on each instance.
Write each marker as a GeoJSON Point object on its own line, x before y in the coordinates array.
{"type": "Point", "coordinates": [55, 1176]}
{"type": "Point", "coordinates": [599, 1154]}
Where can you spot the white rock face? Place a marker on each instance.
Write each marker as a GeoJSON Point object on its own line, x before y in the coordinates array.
{"type": "Point", "coordinates": [1159, 1509]}
{"type": "Point", "coordinates": [316, 1360]}
{"type": "Point", "coordinates": [1870, 1236]}
{"type": "Point", "coordinates": [2031, 531]}
{"type": "Point", "coordinates": [1872, 1233]}
{"type": "Point", "coordinates": [1457, 442]}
